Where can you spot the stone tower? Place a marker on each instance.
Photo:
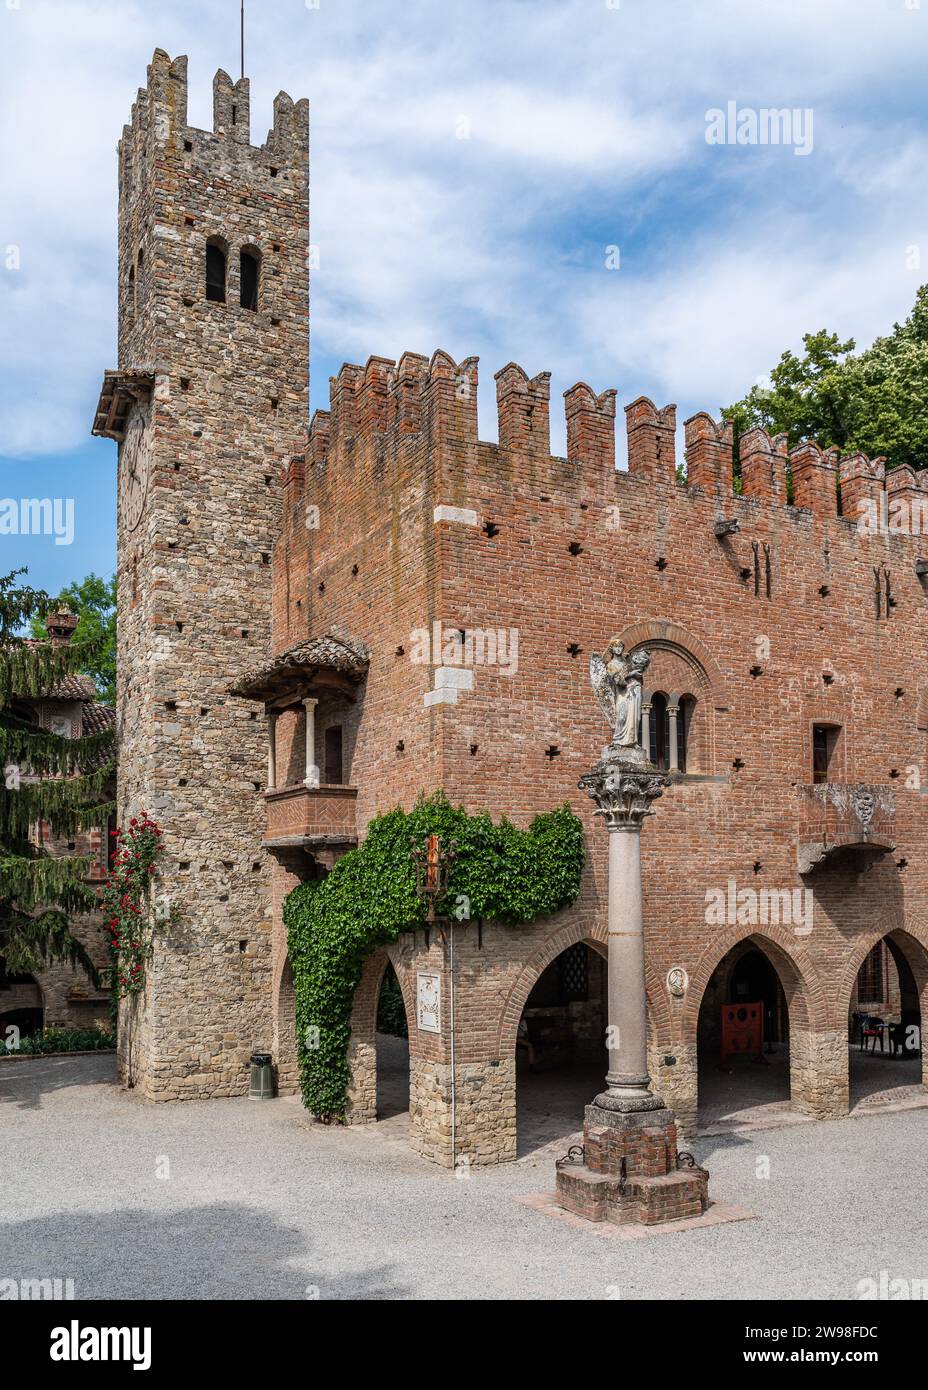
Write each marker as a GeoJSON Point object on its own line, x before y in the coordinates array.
{"type": "Point", "coordinates": [209, 398]}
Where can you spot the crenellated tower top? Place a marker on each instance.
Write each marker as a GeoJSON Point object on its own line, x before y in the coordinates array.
{"type": "Point", "coordinates": [200, 208]}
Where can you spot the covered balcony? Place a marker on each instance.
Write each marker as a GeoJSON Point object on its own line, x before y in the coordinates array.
{"type": "Point", "coordinates": [310, 695]}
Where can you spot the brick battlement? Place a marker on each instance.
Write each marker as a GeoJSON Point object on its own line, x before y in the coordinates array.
{"type": "Point", "coordinates": [386, 399]}
{"type": "Point", "coordinates": [386, 405]}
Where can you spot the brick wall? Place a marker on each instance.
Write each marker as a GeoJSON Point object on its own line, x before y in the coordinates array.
{"type": "Point", "coordinates": [771, 628]}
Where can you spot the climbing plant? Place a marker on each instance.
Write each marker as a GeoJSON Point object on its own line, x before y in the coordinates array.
{"type": "Point", "coordinates": [501, 874]}
{"type": "Point", "coordinates": [125, 899]}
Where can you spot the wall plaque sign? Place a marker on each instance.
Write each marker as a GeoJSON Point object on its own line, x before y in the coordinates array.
{"type": "Point", "coordinates": [677, 981]}
{"type": "Point", "coordinates": [428, 1001]}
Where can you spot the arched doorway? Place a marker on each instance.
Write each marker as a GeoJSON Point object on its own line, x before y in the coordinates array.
{"type": "Point", "coordinates": [285, 1030]}
{"type": "Point", "coordinates": [378, 1045]}
{"type": "Point", "coordinates": [22, 1007]}
{"type": "Point", "coordinates": [742, 1039]}
{"type": "Point", "coordinates": [560, 1051]}
{"type": "Point", "coordinates": [885, 1063]}
{"type": "Point", "coordinates": [392, 1049]}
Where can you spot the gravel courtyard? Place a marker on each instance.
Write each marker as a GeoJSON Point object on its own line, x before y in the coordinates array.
{"type": "Point", "coordinates": [237, 1199]}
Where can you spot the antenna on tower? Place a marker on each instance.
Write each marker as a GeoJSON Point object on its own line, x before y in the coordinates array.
{"type": "Point", "coordinates": [243, 37]}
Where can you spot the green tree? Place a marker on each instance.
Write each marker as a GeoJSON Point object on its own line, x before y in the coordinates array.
{"type": "Point", "coordinates": [94, 602]}
{"type": "Point", "coordinates": [875, 400]}
{"type": "Point", "coordinates": [45, 777]}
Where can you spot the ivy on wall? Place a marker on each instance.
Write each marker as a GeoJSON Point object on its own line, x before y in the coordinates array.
{"type": "Point", "coordinates": [506, 875]}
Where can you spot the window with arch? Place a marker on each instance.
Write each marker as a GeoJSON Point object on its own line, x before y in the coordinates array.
{"type": "Point", "coordinates": [250, 268]}
{"type": "Point", "coordinates": [659, 731]}
{"type": "Point", "coordinates": [685, 714]}
{"type": "Point", "coordinates": [668, 730]}
{"type": "Point", "coordinates": [215, 271]}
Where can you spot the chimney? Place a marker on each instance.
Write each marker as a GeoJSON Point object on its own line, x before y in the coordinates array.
{"type": "Point", "coordinates": [60, 625]}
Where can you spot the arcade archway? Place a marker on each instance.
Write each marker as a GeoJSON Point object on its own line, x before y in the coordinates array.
{"type": "Point", "coordinates": [885, 1055]}
{"type": "Point", "coordinates": [743, 1040]}
{"type": "Point", "coordinates": [391, 1048]}
{"type": "Point", "coordinates": [560, 1048]}
{"type": "Point", "coordinates": [22, 1006]}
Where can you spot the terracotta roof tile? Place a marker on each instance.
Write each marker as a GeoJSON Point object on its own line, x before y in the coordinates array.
{"type": "Point", "coordinates": [334, 650]}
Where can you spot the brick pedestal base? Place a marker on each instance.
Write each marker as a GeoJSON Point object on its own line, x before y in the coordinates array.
{"type": "Point", "coordinates": [629, 1170]}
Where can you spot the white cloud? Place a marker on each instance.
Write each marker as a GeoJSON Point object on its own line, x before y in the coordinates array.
{"type": "Point", "coordinates": [587, 128]}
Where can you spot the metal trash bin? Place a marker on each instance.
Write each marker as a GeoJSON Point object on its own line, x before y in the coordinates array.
{"type": "Point", "coordinates": [261, 1086]}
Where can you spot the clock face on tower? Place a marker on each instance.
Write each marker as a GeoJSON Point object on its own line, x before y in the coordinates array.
{"type": "Point", "coordinates": [134, 468]}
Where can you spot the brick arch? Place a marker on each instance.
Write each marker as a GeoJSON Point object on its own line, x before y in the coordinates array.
{"type": "Point", "coordinates": [362, 1046]}
{"type": "Point", "coordinates": [42, 991]}
{"type": "Point", "coordinates": [911, 936]}
{"type": "Point", "coordinates": [41, 987]}
{"type": "Point", "coordinates": [818, 1076]}
{"type": "Point", "coordinates": [282, 965]}
{"type": "Point", "coordinates": [284, 1027]}
{"type": "Point", "coordinates": [367, 993]}
{"type": "Point", "coordinates": [798, 975]}
{"type": "Point", "coordinates": [661, 632]}
{"type": "Point", "coordinates": [566, 936]}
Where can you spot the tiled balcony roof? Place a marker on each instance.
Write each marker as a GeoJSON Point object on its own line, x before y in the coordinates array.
{"type": "Point", "coordinates": [297, 665]}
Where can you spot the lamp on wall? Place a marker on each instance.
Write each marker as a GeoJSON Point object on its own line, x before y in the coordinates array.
{"type": "Point", "coordinates": [432, 861]}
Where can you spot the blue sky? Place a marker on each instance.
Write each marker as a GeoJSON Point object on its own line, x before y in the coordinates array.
{"type": "Point", "coordinates": [584, 125]}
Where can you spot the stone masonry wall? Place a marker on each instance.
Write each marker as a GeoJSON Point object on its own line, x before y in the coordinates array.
{"type": "Point", "coordinates": [195, 574]}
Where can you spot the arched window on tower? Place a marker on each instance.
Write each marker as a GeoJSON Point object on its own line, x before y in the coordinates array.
{"type": "Point", "coordinates": [250, 266]}
{"type": "Point", "coordinates": [215, 272]}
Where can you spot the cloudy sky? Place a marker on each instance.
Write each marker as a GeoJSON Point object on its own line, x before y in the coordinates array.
{"type": "Point", "coordinates": [474, 165]}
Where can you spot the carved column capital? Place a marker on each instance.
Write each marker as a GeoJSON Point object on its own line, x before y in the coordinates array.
{"type": "Point", "coordinates": [623, 784]}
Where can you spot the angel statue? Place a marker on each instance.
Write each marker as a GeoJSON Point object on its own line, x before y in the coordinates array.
{"type": "Point", "coordinates": [616, 680]}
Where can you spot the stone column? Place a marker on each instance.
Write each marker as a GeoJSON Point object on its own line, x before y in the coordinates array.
{"type": "Point", "coordinates": [623, 784]}
{"type": "Point", "coordinates": [673, 709]}
{"type": "Point", "coordinates": [629, 1169]}
{"type": "Point", "coordinates": [312, 771]}
{"type": "Point", "coordinates": [644, 730]}
{"type": "Point", "coordinates": [272, 750]}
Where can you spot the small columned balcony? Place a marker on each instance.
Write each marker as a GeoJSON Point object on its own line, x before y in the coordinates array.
{"type": "Point", "coordinates": [853, 823]}
{"type": "Point", "coordinates": [303, 817]}
{"type": "Point", "coordinates": [310, 695]}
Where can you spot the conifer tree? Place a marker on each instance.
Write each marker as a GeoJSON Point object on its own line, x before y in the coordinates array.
{"type": "Point", "coordinates": [45, 777]}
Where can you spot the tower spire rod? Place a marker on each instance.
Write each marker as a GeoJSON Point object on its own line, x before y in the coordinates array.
{"type": "Point", "coordinates": [243, 37]}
